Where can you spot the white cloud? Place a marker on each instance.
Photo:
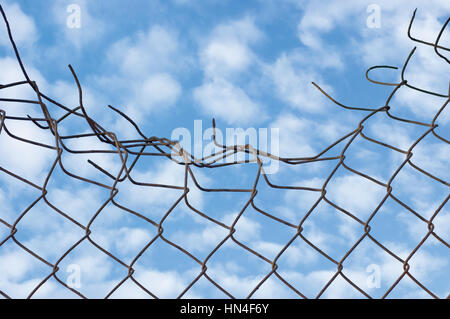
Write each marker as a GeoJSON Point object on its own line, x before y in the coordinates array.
{"type": "Point", "coordinates": [19, 153]}
{"type": "Point", "coordinates": [442, 225]}
{"type": "Point", "coordinates": [238, 285]}
{"type": "Point", "coordinates": [91, 28]}
{"type": "Point", "coordinates": [355, 268]}
{"type": "Point", "coordinates": [433, 157]}
{"type": "Point", "coordinates": [296, 255]}
{"type": "Point", "coordinates": [130, 290]}
{"type": "Point", "coordinates": [418, 228]}
{"type": "Point", "coordinates": [21, 261]}
{"type": "Point", "coordinates": [386, 45]}
{"type": "Point", "coordinates": [292, 74]}
{"type": "Point", "coordinates": [164, 284]}
{"type": "Point", "coordinates": [78, 163]}
{"type": "Point", "coordinates": [227, 51]}
{"type": "Point", "coordinates": [11, 72]}
{"type": "Point", "coordinates": [132, 239]}
{"type": "Point", "coordinates": [20, 272]}
{"type": "Point", "coordinates": [246, 228]}
{"type": "Point", "coordinates": [96, 267]}
{"type": "Point", "coordinates": [392, 133]}
{"type": "Point", "coordinates": [146, 52]}
{"type": "Point", "coordinates": [425, 266]}
{"type": "Point", "coordinates": [159, 198]}
{"type": "Point", "coordinates": [201, 240]}
{"type": "Point", "coordinates": [221, 99]}
{"type": "Point", "coordinates": [22, 26]}
{"type": "Point", "coordinates": [243, 30]}
{"type": "Point", "coordinates": [224, 56]}
{"type": "Point", "coordinates": [147, 62]}
{"type": "Point", "coordinates": [299, 136]}
{"type": "Point", "coordinates": [206, 238]}
{"type": "Point", "coordinates": [67, 94]}
{"type": "Point", "coordinates": [355, 194]}
{"type": "Point", "coordinates": [304, 200]}
{"type": "Point", "coordinates": [291, 126]}
{"type": "Point", "coordinates": [318, 20]}
{"type": "Point", "coordinates": [80, 204]}
{"type": "Point", "coordinates": [157, 92]}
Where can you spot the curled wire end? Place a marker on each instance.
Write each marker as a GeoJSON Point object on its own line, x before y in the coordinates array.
{"type": "Point", "coordinates": [414, 87]}
{"type": "Point", "coordinates": [436, 46]}
{"type": "Point", "coordinates": [37, 124]}
{"type": "Point", "coordinates": [340, 104]}
{"type": "Point", "coordinates": [96, 128]}
{"type": "Point", "coordinates": [411, 23]}
{"type": "Point", "coordinates": [418, 40]}
{"type": "Point", "coordinates": [214, 127]}
{"type": "Point", "coordinates": [381, 67]}
{"type": "Point", "coordinates": [214, 134]}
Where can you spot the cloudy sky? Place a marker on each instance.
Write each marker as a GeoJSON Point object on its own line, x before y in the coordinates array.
{"type": "Point", "coordinates": [248, 65]}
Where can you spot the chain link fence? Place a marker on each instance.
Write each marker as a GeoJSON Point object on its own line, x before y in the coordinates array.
{"type": "Point", "coordinates": [131, 152]}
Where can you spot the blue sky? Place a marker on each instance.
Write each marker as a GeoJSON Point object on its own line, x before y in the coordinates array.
{"type": "Point", "coordinates": [246, 64]}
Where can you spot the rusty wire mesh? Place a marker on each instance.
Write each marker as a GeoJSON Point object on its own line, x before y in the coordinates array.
{"type": "Point", "coordinates": [125, 150]}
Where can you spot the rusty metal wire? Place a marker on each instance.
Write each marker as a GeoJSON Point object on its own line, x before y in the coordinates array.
{"type": "Point", "coordinates": [162, 147]}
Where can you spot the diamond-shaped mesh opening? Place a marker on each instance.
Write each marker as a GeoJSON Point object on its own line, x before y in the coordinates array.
{"type": "Point", "coordinates": [205, 287]}
{"type": "Point", "coordinates": [130, 290]}
{"type": "Point", "coordinates": [355, 194]}
{"type": "Point", "coordinates": [418, 191]}
{"type": "Point", "coordinates": [47, 233]}
{"type": "Point", "coordinates": [394, 227]}
{"type": "Point", "coordinates": [274, 288]}
{"type": "Point", "coordinates": [193, 232]}
{"type": "Point", "coordinates": [372, 159]}
{"type": "Point", "coordinates": [20, 272]}
{"type": "Point", "coordinates": [431, 156]}
{"type": "Point", "coordinates": [371, 269]}
{"type": "Point", "coordinates": [126, 241]}
{"type": "Point", "coordinates": [99, 271]}
{"type": "Point", "coordinates": [331, 230]}
{"type": "Point", "coordinates": [249, 272]}
{"type": "Point", "coordinates": [165, 259]}
{"type": "Point", "coordinates": [428, 266]}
